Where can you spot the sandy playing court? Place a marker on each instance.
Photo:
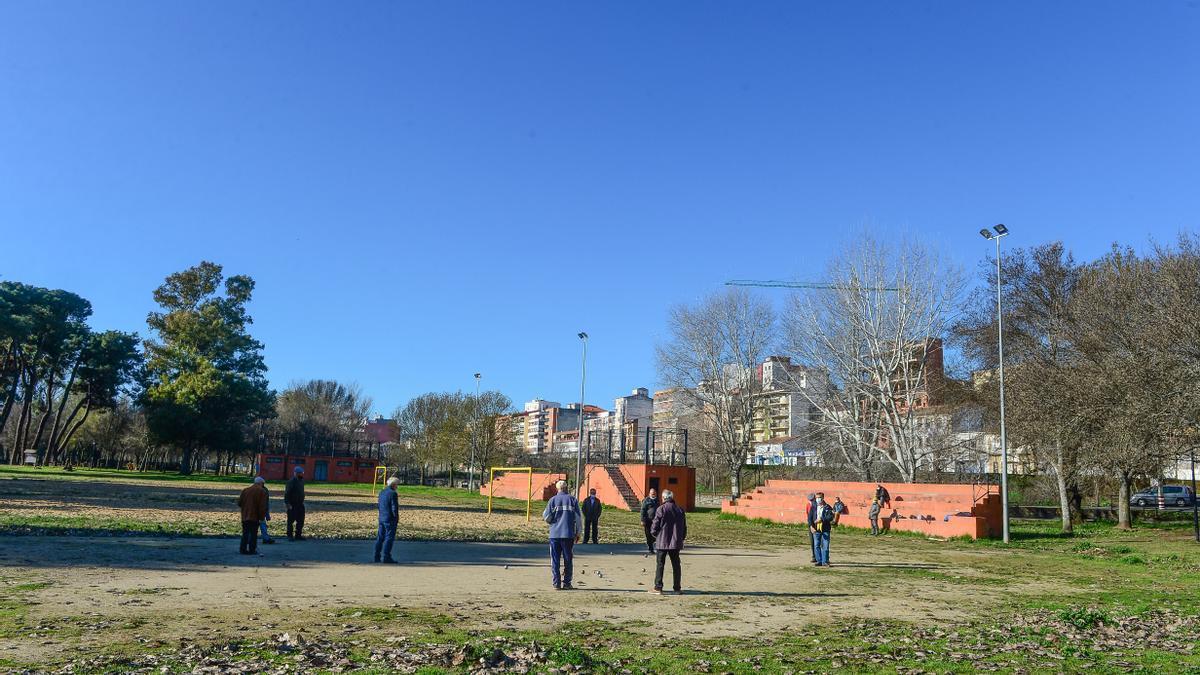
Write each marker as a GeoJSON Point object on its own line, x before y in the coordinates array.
{"type": "Point", "coordinates": [189, 586]}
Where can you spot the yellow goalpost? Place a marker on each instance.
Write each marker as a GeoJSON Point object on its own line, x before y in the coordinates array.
{"type": "Point", "coordinates": [528, 496]}
{"type": "Point", "coordinates": [379, 477]}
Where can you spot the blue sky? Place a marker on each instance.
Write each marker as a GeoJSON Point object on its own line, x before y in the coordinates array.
{"type": "Point", "coordinates": [423, 191]}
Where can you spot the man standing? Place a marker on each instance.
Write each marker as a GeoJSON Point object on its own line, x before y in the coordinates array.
{"type": "Point", "coordinates": [591, 508]}
{"type": "Point", "coordinates": [562, 514]}
{"type": "Point", "coordinates": [649, 505]}
{"type": "Point", "coordinates": [810, 511]}
{"type": "Point", "coordinates": [262, 524]}
{"type": "Point", "coordinates": [389, 518]}
{"type": "Point", "coordinates": [822, 524]}
{"type": "Point", "coordinates": [669, 529]}
{"type": "Point", "coordinates": [253, 503]}
{"type": "Point", "coordinates": [293, 499]}
{"type": "Point", "coordinates": [873, 514]}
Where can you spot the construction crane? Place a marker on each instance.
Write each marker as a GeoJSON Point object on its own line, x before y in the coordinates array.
{"type": "Point", "coordinates": [797, 284]}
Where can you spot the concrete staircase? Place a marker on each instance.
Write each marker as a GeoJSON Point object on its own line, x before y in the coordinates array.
{"type": "Point", "coordinates": [623, 486]}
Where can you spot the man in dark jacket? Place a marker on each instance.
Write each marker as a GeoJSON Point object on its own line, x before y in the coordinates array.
{"type": "Point", "coordinates": [649, 505]}
{"type": "Point", "coordinates": [811, 512]}
{"type": "Point", "coordinates": [822, 524]}
{"type": "Point", "coordinates": [293, 499]}
{"type": "Point", "coordinates": [253, 504]}
{"type": "Point", "coordinates": [591, 508]}
{"type": "Point", "coordinates": [881, 493]}
{"type": "Point", "coordinates": [389, 518]}
{"type": "Point", "coordinates": [669, 529]}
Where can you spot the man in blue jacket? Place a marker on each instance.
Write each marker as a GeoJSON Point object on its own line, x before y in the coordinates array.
{"type": "Point", "coordinates": [389, 518]}
{"type": "Point", "coordinates": [562, 514]}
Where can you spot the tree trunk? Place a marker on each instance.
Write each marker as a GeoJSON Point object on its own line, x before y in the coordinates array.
{"type": "Point", "coordinates": [735, 481]}
{"type": "Point", "coordinates": [1124, 522]}
{"type": "Point", "coordinates": [185, 461]}
{"type": "Point", "coordinates": [1064, 499]}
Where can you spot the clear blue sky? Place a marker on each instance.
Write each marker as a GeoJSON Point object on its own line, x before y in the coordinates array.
{"type": "Point", "coordinates": [423, 191]}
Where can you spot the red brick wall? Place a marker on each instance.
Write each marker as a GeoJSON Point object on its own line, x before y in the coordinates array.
{"type": "Point", "coordinates": [936, 506]}
{"type": "Point", "coordinates": [340, 469]}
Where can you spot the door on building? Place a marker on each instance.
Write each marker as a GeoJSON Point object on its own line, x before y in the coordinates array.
{"type": "Point", "coordinates": [321, 470]}
{"type": "Point", "coordinates": [654, 484]}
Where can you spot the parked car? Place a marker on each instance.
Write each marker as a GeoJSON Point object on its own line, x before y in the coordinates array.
{"type": "Point", "coordinates": [1173, 495]}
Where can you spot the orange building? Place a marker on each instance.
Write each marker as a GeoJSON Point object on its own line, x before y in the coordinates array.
{"type": "Point", "coordinates": [624, 486]}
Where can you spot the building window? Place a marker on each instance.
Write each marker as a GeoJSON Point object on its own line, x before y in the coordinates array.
{"type": "Point", "coordinates": [274, 460]}
{"type": "Point", "coordinates": [345, 463]}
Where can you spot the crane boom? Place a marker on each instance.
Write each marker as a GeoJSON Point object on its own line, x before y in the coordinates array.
{"type": "Point", "coordinates": [770, 283]}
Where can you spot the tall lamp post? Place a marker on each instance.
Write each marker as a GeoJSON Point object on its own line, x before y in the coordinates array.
{"type": "Point", "coordinates": [1195, 506]}
{"type": "Point", "coordinates": [474, 438]}
{"type": "Point", "coordinates": [1000, 232]}
{"type": "Point", "coordinates": [579, 446]}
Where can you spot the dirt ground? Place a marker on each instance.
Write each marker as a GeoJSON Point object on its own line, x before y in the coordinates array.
{"type": "Point", "coordinates": [178, 586]}
{"type": "Point", "coordinates": [88, 591]}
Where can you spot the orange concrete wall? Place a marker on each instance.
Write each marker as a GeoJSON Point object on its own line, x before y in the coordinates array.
{"type": "Point", "coordinates": [638, 476]}
{"type": "Point", "coordinates": [516, 485]}
{"type": "Point", "coordinates": [935, 509]}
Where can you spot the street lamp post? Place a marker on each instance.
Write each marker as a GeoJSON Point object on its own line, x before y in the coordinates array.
{"type": "Point", "coordinates": [1000, 232]}
{"type": "Point", "coordinates": [1195, 506]}
{"type": "Point", "coordinates": [579, 446]}
{"type": "Point", "coordinates": [474, 438]}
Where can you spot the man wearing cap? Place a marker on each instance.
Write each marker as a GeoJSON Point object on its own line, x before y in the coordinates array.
{"type": "Point", "coordinates": [389, 518]}
{"type": "Point", "coordinates": [253, 503]}
{"type": "Point", "coordinates": [293, 499]}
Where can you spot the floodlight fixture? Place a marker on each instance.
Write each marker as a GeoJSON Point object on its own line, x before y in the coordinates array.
{"type": "Point", "coordinates": [583, 336]}
{"type": "Point", "coordinates": [987, 234]}
{"type": "Point", "coordinates": [1001, 229]}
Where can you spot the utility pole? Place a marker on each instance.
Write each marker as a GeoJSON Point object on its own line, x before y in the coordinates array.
{"type": "Point", "coordinates": [579, 446]}
{"type": "Point", "coordinates": [474, 438]}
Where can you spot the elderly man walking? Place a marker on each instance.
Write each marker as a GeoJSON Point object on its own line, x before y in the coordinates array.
{"type": "Point", "coordinates": [562, 514]}
{"type": "Point", "coordinates": [389, 518]}
{"type": "Point", "coordinates": [649, 505]}
{"type": "Point", "coordinates": [253, 503]}
{"type": "Point", "coordinates": [669, 529]}
{"type": "Point", "coordinates": [293, 500]}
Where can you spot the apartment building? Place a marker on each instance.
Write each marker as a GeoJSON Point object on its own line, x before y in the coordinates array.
{"type": "Point", "coordinates": [624, 426]}
{"type": "Point", "coordinates": [547, 426]}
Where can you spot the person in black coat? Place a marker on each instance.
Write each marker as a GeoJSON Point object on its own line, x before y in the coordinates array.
{"type": "Point", "coordinates": [649, 505]}
{"type": "Point", "coordinates": [591, 508]}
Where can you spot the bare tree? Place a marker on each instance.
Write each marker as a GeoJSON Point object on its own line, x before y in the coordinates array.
{"type": "Point", "coordinates": [491, 431]}
{"type": "Point", "coordinates": [1138, 385]}
{"type": "Point", "coordinates": [317, 412]}
{"type": "Point", "coordinates": [1045, 411]}
{"type": "Point", "coordinates": [712, 356]}
{"type": "Point", "coordinates": [876, 331]}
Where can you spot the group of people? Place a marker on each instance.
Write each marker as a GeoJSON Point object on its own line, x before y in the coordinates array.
{"type": "Point", "coordinates": [255, 505]}
{"type": "Point", "coordinates": [664, 521]}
